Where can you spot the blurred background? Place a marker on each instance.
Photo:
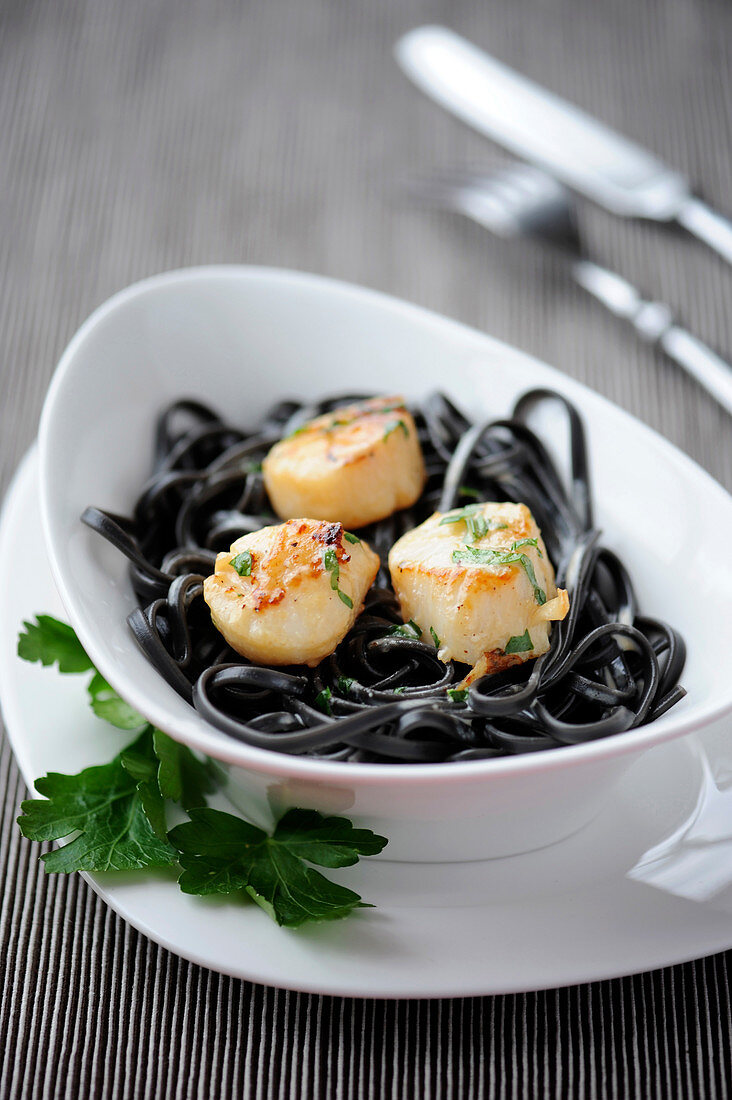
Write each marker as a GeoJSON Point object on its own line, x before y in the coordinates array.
{"type": "Point", "coordinates": [149, 134]}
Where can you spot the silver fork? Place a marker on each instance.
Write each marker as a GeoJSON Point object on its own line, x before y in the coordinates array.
{"type": "Point", "coordinates": [524, 201]}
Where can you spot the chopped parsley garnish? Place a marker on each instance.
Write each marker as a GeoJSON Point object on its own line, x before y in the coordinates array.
{"type": "Point", "coordinates": [407, 630]}
{"type": "Point", "coordinates": [345, 684]}
{"type": "Point", "coordinates": [475, 556]}
{"type": "Point", "coordinates": [521, 643]}
{"type": "Point", "coordinates": [242, 563]}
{"type": "Point", "coordinates": [460, 514]}
{"type": "Point", "coordinates": [467, 491]}
{"type": "Point", "coordinates": [527, 542]}
{"type": "Point", "coordinates": [116, 814]}
{"type": "Point", "coordinates": [477, 527]}
{"type": "Point", "coordinates": [322, 701]}
{"type": "Point", "coordinates": [457, 695]}
{"type": "Point", "coordinates": [330, 561]}
{"type": "Point", "coordinates": [399, 690]}
{"type": "Point", "coordinates": [435, 639]}
{"type": "Point", "coordinates": [392, 427]}
{"type": "Point", "coordinates": [477, 524]}
{"type": "Point", "coordinates": [351, 538]}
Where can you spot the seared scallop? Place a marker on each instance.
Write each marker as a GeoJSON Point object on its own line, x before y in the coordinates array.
{"type": "Point", "coordinates": [289, 594]}
{"type": "Point", "coordinates": [354, 465]}
{"type": "Point", "coordinates": [479, 583]}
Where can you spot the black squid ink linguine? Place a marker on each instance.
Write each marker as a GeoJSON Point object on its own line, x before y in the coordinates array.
{"type": "Point", "coordinates": [384, 696]}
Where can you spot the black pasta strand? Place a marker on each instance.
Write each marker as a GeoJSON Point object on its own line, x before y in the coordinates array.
{"type": "Point", "coordinates": [384, 696]}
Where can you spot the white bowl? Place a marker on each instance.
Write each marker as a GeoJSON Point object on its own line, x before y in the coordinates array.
{"type": "Point", "coordinates": [240, 338]}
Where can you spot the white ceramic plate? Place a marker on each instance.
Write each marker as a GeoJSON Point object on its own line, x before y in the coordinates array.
{"type": "Point", "coordinates": [647, 884]}
{"type": "Point", "coordinates": [242, 338]}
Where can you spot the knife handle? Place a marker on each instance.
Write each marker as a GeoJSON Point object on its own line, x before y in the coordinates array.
{"type": "Point", "coordinates": [654, 322]}
{"type": "Point", "coordinates": [708, 226]}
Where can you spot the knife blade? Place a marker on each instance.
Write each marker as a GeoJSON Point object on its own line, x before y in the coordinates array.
{"type": "Point", "coordinates": [538, 126]}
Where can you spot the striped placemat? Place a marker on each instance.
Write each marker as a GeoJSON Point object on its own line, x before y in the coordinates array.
{"type": "Point", "coordinates": [144, 136]}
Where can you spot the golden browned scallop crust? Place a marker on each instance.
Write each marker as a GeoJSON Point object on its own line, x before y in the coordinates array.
{"type": "Point", "coordinates": [475, 608]}
{"type": "Point", "coordinates": [354, 465]}
{"type": "Point", "coordinates": [291, 605]}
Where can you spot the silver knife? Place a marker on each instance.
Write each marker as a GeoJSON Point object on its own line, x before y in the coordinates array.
{"type": "Point", "coordinates": [540, 127]}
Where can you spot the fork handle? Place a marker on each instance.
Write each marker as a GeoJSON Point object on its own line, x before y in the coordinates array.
{"type": "Point", "coordinates": [655, 323]}
{"type": "Point", "coordinates": [708, 226]}
{"type": "Point", "coordinates": [700, 361]}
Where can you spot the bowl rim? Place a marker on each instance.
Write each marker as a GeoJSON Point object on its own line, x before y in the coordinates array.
{"type": "Point", "coordinates": [214, 743]}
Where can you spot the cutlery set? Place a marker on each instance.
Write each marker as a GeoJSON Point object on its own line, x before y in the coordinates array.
{"type": "Point", "coordinates": [567, 150]}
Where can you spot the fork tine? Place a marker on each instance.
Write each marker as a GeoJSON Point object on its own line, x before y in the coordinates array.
{"type": "Point", "coordinates": [473, 196]}
{"type": "Point", "coordinates": [456, 188]}
{"type": "Point", "coordinates": [516, 200]}
{"type": "Point", "coordinates": [443, 182]}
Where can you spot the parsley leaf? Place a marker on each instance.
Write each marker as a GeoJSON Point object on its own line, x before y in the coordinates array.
{"type": "Point", "coordinates": [107, 704]}
{"type": "Point", "coordinates": [220, 853]}
{"type": "Point", "coordinates": [115, 813]}
{"type": "Point", "coordinates": [181, 776]}
{"type": "Point", "coordinates": [327, 841]}
{"type": "Point", "coordinates": [435, 638]}
{"type": "Point", "coordinates": [351, 538]}
{"type": "Point", "coordinates": [242, 563]}
{"type": "Point", "coordinates": [392, 427]}
{"type": "Point", "coordinates": [475, 556]}
{"type": "Point", "coordinates": [345, 683]}
{"type": "Point", "coordinates": [457, 695]}
{"type": "Point", "coordinates": [477, 525]}
{"type": "Point", "coordinates": [521, 643]}
{"type": "Point", "coordinates": [330, 561]}
{"type": "Point", "coordinates": [143, 767]}
{"type": "Point", "coordinates": [104, 805]}
{"type": "Point", "coordinates": [461, 515]}
{"type": "Point", "coordinates": [527, 542]}
{"type": "Point", "coordinates": [407, 630]}
{"type": "Point", "coordinates": [48, 640]}
{"type": "Point", "coordinates": [322, 701]}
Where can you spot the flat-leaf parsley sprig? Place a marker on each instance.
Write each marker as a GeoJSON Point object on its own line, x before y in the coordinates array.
{"type": "Point", "coordinates": [116, 813]}
{"type": "Point", "coordinates": [220, 853]}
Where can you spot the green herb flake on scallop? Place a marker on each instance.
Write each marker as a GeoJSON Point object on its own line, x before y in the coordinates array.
{"type": "Point", "coordinates": [242, 563]}
{"type": "Point", "coordinates": [520, 644]}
